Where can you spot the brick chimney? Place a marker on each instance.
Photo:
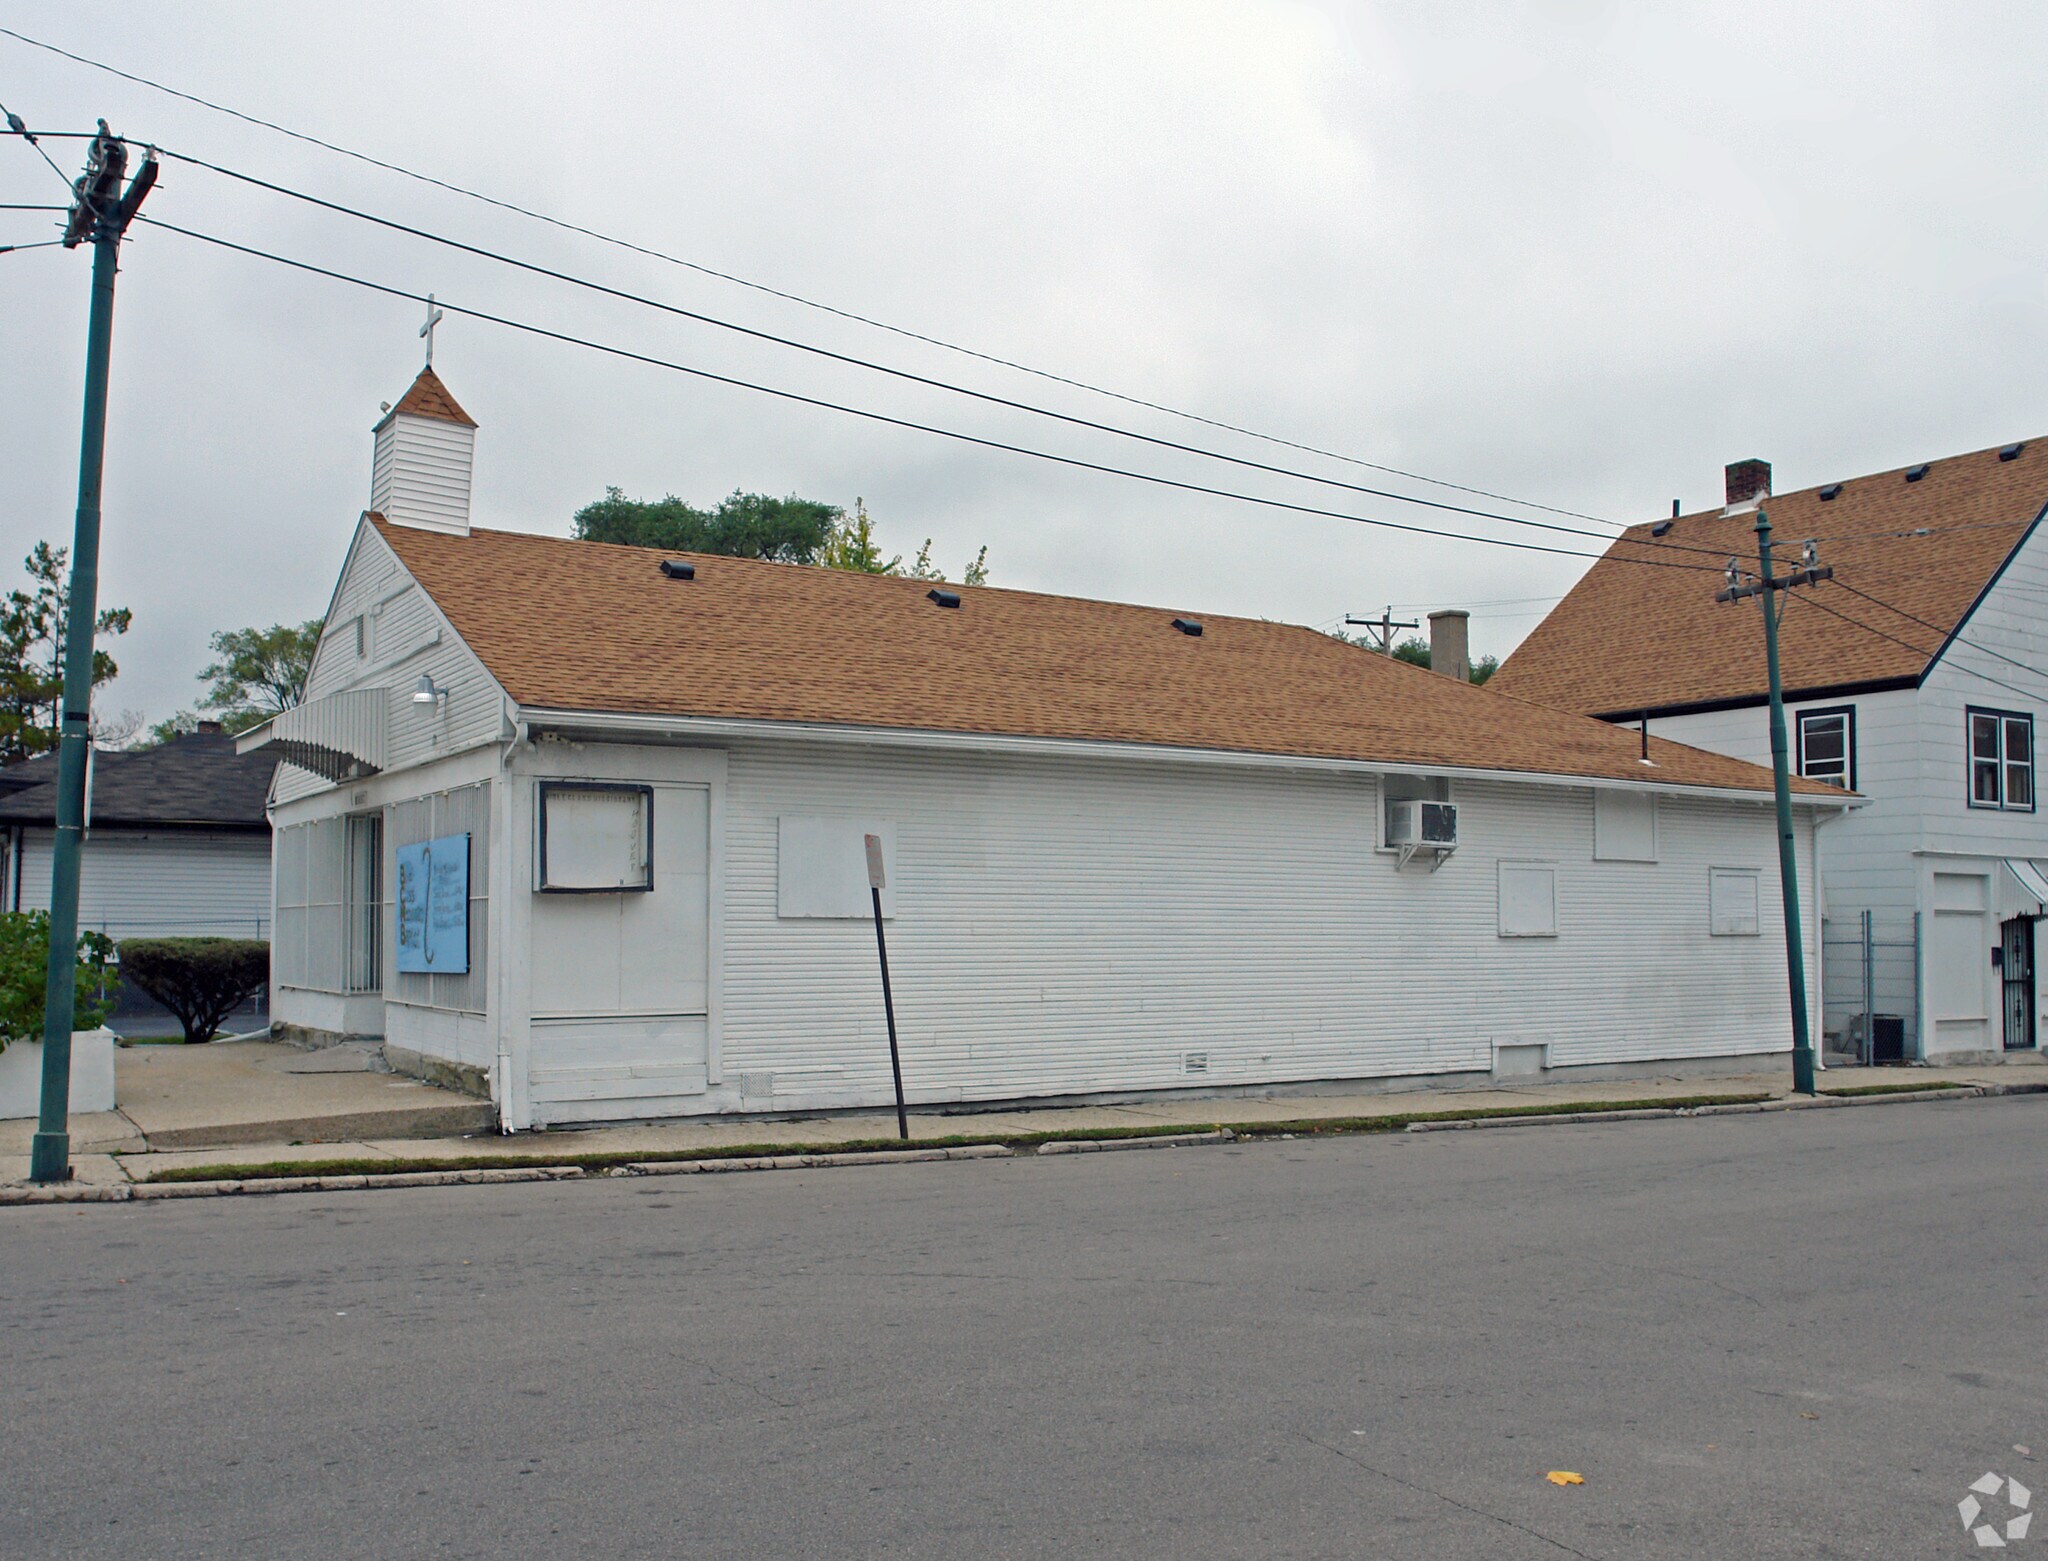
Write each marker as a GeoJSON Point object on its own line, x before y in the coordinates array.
{"type": "Point", "coordinates": [1748, 481]}
{"type": "Point", "coordinates": [1450, 643]}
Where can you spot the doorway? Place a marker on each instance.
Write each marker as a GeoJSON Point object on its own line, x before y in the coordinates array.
{"type": "Point", "coordinates": [2016, 966]}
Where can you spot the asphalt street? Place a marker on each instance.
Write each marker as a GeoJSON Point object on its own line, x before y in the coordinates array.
{"type": "Point", "coordinates": [1800, 1334]}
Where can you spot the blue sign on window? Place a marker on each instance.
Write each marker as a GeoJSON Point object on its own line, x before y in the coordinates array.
{"type": "Point", "coordinates": [433, 907]}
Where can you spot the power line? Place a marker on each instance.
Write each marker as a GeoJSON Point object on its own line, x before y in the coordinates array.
{"type": "Point", "coordinates": [498, 256]}
{"type": "Point", "coordinates": [796, 298]}
{"type": "Point", "coordinates": [16, 127]}
{"type": "Point", "coordinates": [1813, 600]}
{"type": "Point", "coordinates": [896, 422]}
{"type": "Point", "coordinates": [1946, 634]}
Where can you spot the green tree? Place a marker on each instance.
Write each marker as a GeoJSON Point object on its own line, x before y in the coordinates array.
{"type": "Point", "coordinates": [745, 525]}
{"type": "Point", "coordinates": [752, 525]}
{"type": "Point", "coordinates": [921, 566]}
{"type": "Point", "coordinates": [1416, 652]}
{"type": "Point", "coordinates": [852, 546]}
{"type": "Point", "coordinates": [254, 674]}
{"type": "Point", "coordinates": [32, 654]}
{"type": "Point", "coordinates": [25, 971]}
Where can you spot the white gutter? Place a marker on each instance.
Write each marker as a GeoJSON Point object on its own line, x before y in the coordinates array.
{"type": "Point", "coordinates": [610, 726]}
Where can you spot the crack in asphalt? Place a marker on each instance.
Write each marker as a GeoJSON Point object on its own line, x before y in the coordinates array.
{"type": "Point", "coordinates": [1452, 1501]}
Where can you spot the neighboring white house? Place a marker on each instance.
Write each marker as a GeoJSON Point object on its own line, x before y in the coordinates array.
{"type": "Point", "coordinates": [581, 826]}
{"type": "Point", "coordinates": [1916, 676]}
{"type": "Point", "coordinates": [177, 841]}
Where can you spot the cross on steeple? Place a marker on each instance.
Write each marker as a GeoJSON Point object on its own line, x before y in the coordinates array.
{"type": "Point", "coordinates": [427, 330]}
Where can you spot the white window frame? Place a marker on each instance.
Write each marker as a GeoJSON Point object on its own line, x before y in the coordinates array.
{"type": "Point", "coordinates": [1846, 714]}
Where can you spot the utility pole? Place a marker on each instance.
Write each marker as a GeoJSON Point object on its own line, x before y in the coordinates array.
{"type": "Point", "coordinates": [1769, 589]}
{"type": "Point", "coordinates": [100, 214]}
{"type": "Point", "coordinates": [1381, 628]}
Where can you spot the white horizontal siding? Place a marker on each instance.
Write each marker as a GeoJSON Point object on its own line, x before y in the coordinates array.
{"type": "Point", "coordinates": [420, 472]}
{"type": "Point", "coordinates": [2012, 621]}
{"type": "Point", "coordinates": [135, 884]}
{"type": "Point", "coordinates": [1066, 927]}
{"type": "Point", "coordinates": [405, 638]}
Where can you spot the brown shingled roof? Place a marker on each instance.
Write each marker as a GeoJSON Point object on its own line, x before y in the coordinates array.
{"type": "Point", "coordinates": [1628, 639]}
{"type": "Point", "coordinates": [588, 626]}
{"type": "Point", "coordinates": [428, 397]}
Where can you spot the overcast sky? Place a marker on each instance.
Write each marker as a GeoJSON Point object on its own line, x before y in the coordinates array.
{"type": "Point", "coordinates": [1580, 254]}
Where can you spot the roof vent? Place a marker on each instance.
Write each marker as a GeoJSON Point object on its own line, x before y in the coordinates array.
{"type": "Point", "coordinates": [676, 569]}
{"type": "Point", "coordinates": [2011, 452]}
{"type": "Point", "coordinates": [1189, 626]}
{"type": "Point", "coordinates": [1662, 528]}
{"type": "Point", "coordinates": [1915, 473]}
{"type": "Point", "coordinates": [1831, 490]}
{"type": "Point", "coordinates": [944, 598]}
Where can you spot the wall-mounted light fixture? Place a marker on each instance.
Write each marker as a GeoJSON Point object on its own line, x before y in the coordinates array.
{"type": "Point", "coordinates": [425, 692]}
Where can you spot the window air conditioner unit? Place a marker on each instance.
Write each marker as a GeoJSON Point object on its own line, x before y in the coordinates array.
{"type": "Point", "coordinates": [1423, 826]}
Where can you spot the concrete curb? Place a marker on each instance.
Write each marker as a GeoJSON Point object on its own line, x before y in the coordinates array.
{"type": "Point", "coordinates": [1794, 1103]}
{"type": "Point", "coordinates": [149, 1192]}
{"type": "Point", "coordinates": [1156, 1141]}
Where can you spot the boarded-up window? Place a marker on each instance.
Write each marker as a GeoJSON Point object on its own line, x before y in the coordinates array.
{"type": "Point", "coordinates": [1624, 826]}
{"type": "Point", "coordinates": [595, 839]}
{"type": "Point", "coordinates": [822, 867]}
{"type": "Point", "coordinates": [1732, 902]}
{"type": "Point", "coordinates": [1528, 900]}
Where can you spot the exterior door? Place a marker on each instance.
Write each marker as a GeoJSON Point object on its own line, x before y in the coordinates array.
{"type": "Point", "coordinates": [2016, 963]}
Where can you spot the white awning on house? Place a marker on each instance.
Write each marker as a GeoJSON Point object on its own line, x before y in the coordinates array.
{"type": "Point", "coordinates": [2023, 888]}
{"type": "Point", "coordinates": [338, 738]}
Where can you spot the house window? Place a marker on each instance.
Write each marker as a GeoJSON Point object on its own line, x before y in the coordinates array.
{"type": "Point", "coordinates": [364, 846]}
{"type": "Point", "coordinates": [1733, 905]}
{"type": "Point", "coordinates": [596, 837]}
{"type": "Point", "coordinates": [1827, 746]}
{"type": "Point", "coordinates": [1528, 900]}
{"type": "Point", "coordinates": [1624, 827]}
{"type": "Point", "coordinates": [2001, 760]}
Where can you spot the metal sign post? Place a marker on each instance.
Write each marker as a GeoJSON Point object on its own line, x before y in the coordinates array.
{"type": "Point", "coordinates": [877, 882]}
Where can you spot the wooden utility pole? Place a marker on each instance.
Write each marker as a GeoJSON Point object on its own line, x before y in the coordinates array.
{"type": "Point", "coordinates": [1381, 628]}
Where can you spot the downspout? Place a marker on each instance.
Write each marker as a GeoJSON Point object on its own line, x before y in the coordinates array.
{"type": "Point", "coordinates": [503, 1082]}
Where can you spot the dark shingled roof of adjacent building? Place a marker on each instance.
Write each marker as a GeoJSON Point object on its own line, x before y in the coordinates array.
{"type": "Point", "coordinates": [590, 626]}
{"type": "Point", "coordinates": [192, 782]}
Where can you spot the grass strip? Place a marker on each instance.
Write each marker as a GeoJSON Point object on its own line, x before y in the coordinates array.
{"type": "Point", "coordinates": [1849, 1090]}
{"type": "Point", "coordinates": [606, 1159]}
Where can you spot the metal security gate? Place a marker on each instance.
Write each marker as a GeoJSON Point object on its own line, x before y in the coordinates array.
{"type": "Point", "coordinates": [2016, 966]}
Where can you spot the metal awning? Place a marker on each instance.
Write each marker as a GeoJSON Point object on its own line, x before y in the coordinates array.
{"type": "Point", "coordinates": [2027, 883]}
{"type": "Point", "coordinates": [338, 738]}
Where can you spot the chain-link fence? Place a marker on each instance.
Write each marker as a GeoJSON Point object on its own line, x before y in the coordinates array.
{"type": "Point", "coordinates": [1871, 985]}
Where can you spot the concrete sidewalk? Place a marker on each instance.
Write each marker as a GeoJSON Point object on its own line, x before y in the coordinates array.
{"type": "Point", "coordinates": [251, 1103]}
{"type": "Point", "coordinates": [233, 1093]}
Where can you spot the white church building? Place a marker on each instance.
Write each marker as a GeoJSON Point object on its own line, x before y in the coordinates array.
{"type": "Point", "coordinates": [580, 827]}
